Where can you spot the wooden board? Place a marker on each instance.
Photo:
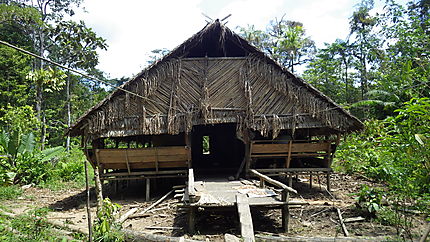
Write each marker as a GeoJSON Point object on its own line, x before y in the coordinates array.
{"type": "Point", "coordinates": [123, 165]}
{"type": "Point", "coordinates": [246, 226]}
{"type": "Point", "coordinates": [295, 148]}
{"type": "Point", "coordinates": [129, 159]}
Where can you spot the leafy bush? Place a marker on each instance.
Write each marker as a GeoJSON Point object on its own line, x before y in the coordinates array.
{"type": "Point", "coordinates": [70, 166]}
{"type": "Point", "coordinates": [395, 151]}
{"type": "Point", "coordinates": [9, 192]}
{"type": "Point", "coordinates": [22, 162]}
{"type": "Point", "coordinates": [28, 227]}
{"type": "Point", "coordinates": [369, 200]}
{"type": "Point", "coordinates": [105, 227]}
{"type": "Point", "coordinates": [19, 119]}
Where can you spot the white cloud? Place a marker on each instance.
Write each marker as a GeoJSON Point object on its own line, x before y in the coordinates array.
{"type": "Point", "coordinates": [134, 27]}
{"type": "Point", "coordinates": [255, 12]}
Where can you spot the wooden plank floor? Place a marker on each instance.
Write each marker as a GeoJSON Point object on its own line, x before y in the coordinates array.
{"type": "Point", "coordinates": [220, 192]}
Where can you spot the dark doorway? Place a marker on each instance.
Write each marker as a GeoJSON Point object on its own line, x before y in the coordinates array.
{"type": "Point", "coordinates": [216, 150]}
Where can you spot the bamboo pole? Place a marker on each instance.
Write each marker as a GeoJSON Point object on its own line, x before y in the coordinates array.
{"type": "Point", "coordinates": [87, 190]}
{"type": "Point", "coordinates": [87, 187]}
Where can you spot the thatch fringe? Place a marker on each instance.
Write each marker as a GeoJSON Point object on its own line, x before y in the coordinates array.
{"type": "Point", "coordinates": [246, 91]}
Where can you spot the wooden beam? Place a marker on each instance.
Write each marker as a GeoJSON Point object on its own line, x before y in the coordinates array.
{"type": "Point", "coordinates": [148, 189]}
{"type": "Point", "coordinates": [292, 170]}
{"type": "Point", "coordinates": [138, 177]}
{"type": "Point", "coordinates": [345, 231]}
{"type": "Point", "coordinates": [191, 189]}
{"type": "Point", "coordinates": [247, 155]}
{"type": "Point", "coordinates": [285, 197]}
{"type": "Point", "coordinates": [287, 165]}
{"type": "Point", "coordinates": [188, 143]}
{"type": "Point", "coordinates": [134, 210]}
{"type": "Point", "coordinates": [157, 202]}
{"type": "Point", "coordinates": [191, 219]}
{"type": "Point", "coordinates": [272, 181]}
{"type": "Point", "coordinates": [147, 173]}
{"type": "Point", "coordinates": [127, 161]}
{"type": "Point", "coordinates": [246, 226]}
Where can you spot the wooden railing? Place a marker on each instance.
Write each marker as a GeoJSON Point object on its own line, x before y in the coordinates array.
{"type": "Point", "coordinates": [128, 159]}
{"type": "Point", "coordinates": [291, 149]}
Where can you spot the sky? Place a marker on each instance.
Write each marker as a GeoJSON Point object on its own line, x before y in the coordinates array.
{"type": "Point", "coordinates": [133, 28]}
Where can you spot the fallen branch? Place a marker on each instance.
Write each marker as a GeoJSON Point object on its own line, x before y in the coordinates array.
{"type": "Point", "coordinates": [143, 215]}
{"type": "Point", "coordinates": [132, 211]}
{"type": "Point", "coordinates": [158, 209]}
{"type": "Point", "coordinates": [426, 233]}
{"type": "Point", "coordinates": [127, 215]}
{"type": "Point", "coordinates": [166, 228]}
{"type": "Point", "coordinates": [157, 202]}
{"type": "Point", "coordinates": [66, 217]}
{"type": "Point", "coordinates": [322, 211]}
{"type": "Point", "coordinates": [140, 236]}
{"type": "Point", "coordinates": [345, 231]}
{"type": "Point", "coordinates": [352, 220]}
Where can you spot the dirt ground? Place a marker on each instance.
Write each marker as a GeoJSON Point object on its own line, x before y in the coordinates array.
{"type": "Point", "coordinates": [317, 219]}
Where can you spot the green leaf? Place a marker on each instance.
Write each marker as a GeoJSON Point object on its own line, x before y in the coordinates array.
{"type": "Point", "coordinates": [420, 138]}
{"type": "Point", "coordinates": [50, 153]}
{"type": "Point", "coordinates": [27, 143]}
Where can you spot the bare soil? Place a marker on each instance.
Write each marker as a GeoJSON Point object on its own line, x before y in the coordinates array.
{"type": "Point", "coordinates": [318, 219]}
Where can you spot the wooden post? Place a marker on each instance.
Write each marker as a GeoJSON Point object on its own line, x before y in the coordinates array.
{"type": "Point", "coordinates": [290, 180]}
{"type": "Point", "coordinates": [127, 161]}
{"type": "Point", "coordinates": [328, 181]}
{"type": "Point", "coordinates": [116, 187]}
{"type": "Point", "coordinates": [87, 188]}
{"type": "Point", "coordinates": [98, 184]}
{"type": "Point", "coordinates": [285, 197]}
{"type": "Point", "coordinates": [191, 190]}
{"type": "Point", "coordinates": [262, 185]}
{"type": "Point", "coordinates": [247, 141]}
{"type": "Point", "coordinates": [148, 189]}
{"type": "Point", "coordinates": [156, 159]}
{"type": "Point", "coordinates": [290, 144]}
{"type": "Point", "coordinates": [191, 220]}
{"type": "Point", "coordinates": [188, 143]}
{"type": "Point", "coordinates": [99, 192]}
{"type": "Point", "coordinates": [310, 179]}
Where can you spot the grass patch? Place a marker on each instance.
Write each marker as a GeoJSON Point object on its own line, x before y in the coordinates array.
{"type": "Point", "coordinates": [10, 192]}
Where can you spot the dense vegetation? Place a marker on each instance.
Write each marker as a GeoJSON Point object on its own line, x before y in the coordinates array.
{"type": "Point", "coordinates": [380, 72]}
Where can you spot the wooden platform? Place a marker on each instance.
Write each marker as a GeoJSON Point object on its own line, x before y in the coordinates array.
{"type": "Point", "coordinates": [220, 192]}
{"type": "Point", "coordinates": [213, 193]}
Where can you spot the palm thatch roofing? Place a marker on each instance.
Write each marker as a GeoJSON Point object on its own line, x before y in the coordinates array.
{"type": "Point", "coordinates": [214, 77]}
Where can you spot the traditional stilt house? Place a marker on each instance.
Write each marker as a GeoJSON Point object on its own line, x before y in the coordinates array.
{"type": "Point", "coordinates": [218, 105]}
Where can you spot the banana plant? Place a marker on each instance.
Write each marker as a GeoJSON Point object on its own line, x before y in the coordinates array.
{"type": "Point", "coordinates": [19, 154]}
{"type": "Point", "coordinates": [13, 144]}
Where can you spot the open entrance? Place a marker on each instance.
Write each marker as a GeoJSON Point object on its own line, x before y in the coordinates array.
{"type": "Point", "coordinates": [216, 150]}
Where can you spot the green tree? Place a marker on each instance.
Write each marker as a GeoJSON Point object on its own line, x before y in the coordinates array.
{"type": "Point", "coordinates": [284, 40]}
{"type": "Point", "coordinates": [365, 44]}
{"type": "Point", "coordinates": [16, 23]}
{"type": "Point", "coordinates": [75, 45]}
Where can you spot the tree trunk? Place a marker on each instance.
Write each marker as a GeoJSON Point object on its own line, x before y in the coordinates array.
{"type": "Point", "coordinates": [68, 104]}
{"type": "Point", "coordinates": [99, 191]}
{"type": "Point", "coordinates": [39, 93]}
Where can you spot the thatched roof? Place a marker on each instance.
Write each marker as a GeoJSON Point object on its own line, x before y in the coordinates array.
{"type": "Point", "coordinates": [215, 76]}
